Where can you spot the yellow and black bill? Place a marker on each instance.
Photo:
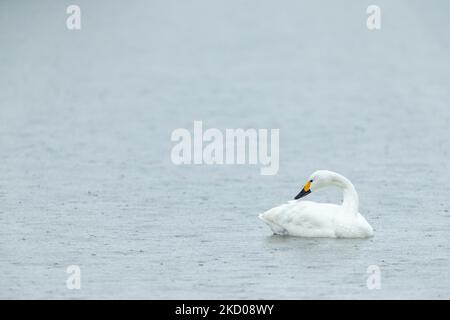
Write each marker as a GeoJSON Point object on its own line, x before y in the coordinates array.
{"type": "Point", "coordinates": [305, 191]}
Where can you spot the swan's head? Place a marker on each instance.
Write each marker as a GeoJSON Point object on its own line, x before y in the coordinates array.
{"type": "Point", "coordinates": [318, 180]}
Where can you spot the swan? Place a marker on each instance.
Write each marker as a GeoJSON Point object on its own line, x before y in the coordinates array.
{"type": "Point", "coordinates": [312, 219]}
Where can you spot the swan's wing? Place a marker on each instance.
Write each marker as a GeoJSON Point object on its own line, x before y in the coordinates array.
{"type": "Point", "coordinates": [302, 218]}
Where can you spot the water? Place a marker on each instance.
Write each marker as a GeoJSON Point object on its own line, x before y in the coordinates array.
{"type": "Point", "coordinates": [85, 124]}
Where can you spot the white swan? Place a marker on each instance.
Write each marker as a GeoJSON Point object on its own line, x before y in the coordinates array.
{"type": "Point", "coordinates": [312, 219]}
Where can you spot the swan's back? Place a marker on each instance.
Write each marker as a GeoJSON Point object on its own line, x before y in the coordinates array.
{"type": "Point", "coordinates": [302, 218]}
{"type": "Point", "coordinates": [312, 219]}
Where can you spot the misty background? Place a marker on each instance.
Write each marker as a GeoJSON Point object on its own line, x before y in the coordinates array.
{"type": "Point", "coordinates": [86, 118]}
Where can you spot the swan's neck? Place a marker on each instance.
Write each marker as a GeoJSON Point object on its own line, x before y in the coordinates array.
{"type": "Point", "coordinates": [351, 200]}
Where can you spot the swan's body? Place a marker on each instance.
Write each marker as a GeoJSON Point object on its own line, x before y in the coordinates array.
{"type": "Point", "coordinates": [312, 219]}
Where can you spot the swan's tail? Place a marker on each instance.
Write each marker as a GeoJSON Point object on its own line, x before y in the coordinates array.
{"type": "Point", "coordinates": [276, 229]}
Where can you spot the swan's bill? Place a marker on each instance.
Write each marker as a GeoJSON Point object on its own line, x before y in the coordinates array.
{"type": "Point", "coordinates": [305, 191]}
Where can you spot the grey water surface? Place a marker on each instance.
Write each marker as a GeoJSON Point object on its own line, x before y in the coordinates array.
{"type": "Point", "coordinates": [86, 118]}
